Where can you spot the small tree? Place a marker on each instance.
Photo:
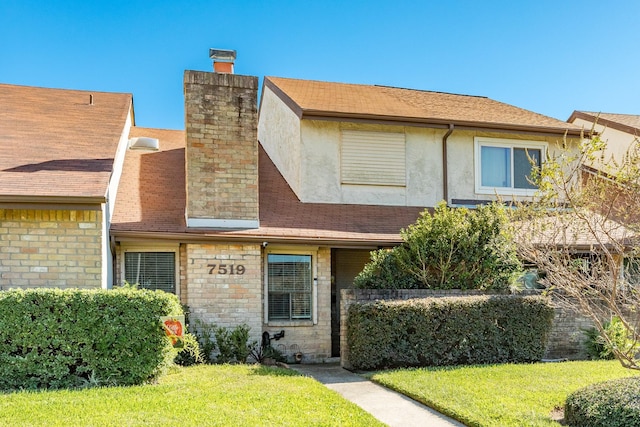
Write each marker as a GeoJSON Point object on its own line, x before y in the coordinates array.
{"type": "Point", "coordinates": [580, 231]}
{"type": "Point", "coordinates": [453, 248]}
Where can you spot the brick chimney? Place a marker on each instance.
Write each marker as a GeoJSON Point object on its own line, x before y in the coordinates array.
{"type": "Point", "coordinates": [221, 119]}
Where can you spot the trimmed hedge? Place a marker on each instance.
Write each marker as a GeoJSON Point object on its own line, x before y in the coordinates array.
{"type": "Point", "coordinates": [614, 403]}
{"type": "Point", "coordinates": [448, 331]}
{"type": "Point", "coordinates": [52, 338]}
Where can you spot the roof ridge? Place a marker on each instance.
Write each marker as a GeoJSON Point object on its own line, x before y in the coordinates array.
{"type": "Point", "coordinates": [431, 91]}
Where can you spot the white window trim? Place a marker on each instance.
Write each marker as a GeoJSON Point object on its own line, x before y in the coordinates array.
{"type": "Point", "coordinates": [162, 247]}
{"type": "Point", "coordinates": [504, 143]}
{"type": "Point", "coordinates": [290, 250]}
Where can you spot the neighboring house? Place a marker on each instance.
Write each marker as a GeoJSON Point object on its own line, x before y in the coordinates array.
{"type": "Point", "coordinates": [60, 159]}
{"type": "Point", "coordinates": [261, 217]}
{"type": "Point", "coordinates": [619, 131]}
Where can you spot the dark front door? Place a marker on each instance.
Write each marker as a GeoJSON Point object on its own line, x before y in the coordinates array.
{"type": "Point", "coordinates": [345, 266]}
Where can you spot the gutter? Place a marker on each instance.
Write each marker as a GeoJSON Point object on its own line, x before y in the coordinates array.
{"type": "Point", "coordinates": [364, 243]}
{"type": "Point", "coordinates": [445, 171]}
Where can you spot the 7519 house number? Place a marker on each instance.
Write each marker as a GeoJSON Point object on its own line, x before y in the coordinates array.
{"type": "Point", "coordinates": [226, 269]}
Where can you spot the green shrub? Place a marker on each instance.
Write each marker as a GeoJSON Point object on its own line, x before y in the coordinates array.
{"type": "Point", "coordinates": [233, 344]}
{"type": "Point", "coordinates": [599, 348]}
{"type": "Point", "coordinates": [190, 354]}
{"type": "Point", "coordinates": [385, 272]}
{"type": "Point", "coordinates": [453, 248]}
{"type": "Point", "coordinates": [448, 331]}
{"type": "Point", "coordinates": [51, 338]}
{"type": "Point", "coordinates": [614, 403]}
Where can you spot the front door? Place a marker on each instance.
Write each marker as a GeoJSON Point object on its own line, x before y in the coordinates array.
{"type": "Point", "coordinates": [345, 266]}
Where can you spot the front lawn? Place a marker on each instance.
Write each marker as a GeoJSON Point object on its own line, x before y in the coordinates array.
{"type": "Point", "coordinates": [500, 395]}
{"type": "Point", "coordinates": [205, 395]}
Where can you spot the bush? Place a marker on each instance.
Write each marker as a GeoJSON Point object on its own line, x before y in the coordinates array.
{"type": "Point", "coordinates": [453, 248]}
{"type": "Point", "coordinates": [599, 348]}
{"type": "Point", "coordinates": [52, 338]}
{"type": "Point", "coordinates": [190, 354]}
{"type": "Point", "coordinates": [448, 331]}
{"type": "Point", "coordinates": [233, 344]}
{"type": "Point", "coordinates": [613, 403]}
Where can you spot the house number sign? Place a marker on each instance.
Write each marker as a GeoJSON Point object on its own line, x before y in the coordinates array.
{"type": "Point", "coordinates": [226, 268]}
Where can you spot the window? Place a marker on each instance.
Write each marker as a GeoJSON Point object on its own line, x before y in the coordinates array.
{"type": "Point", "coordinates": [151, 270]}
{"type": "Point", "coordinates": [290, 286]}
{"type": "Point", "coordinates": [631, 270]}
{"type": "Point", "coordinates": [373, 158]}
{"type": "Point", "coordinates": [504, 166]}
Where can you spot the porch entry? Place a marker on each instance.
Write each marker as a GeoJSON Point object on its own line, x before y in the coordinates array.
{"type": "Point", "coordinates": [345, 266]}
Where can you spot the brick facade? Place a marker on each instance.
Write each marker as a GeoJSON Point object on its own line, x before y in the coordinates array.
{"type": "Point", "coordinates": [221, 146]}
{"type": "Point", "coordinates": [50, 248]}
{"type": "Point", "coordinates": [220, 295]}
{"type": "Point", "coordinates": [313, 341]}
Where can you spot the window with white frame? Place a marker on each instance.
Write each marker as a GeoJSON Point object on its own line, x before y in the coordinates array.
{"type": "Point", "coordinates": [504, 166]}
{"type": "Point", "coordinates": [289, 286]}
{"type": "Point", "coordinates": [150, 269]}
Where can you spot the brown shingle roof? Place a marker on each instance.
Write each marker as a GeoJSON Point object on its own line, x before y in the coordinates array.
{"type": "Point", "coordinates": [151, 199]}
{"type": "Point", "coordinates": [151, 194]}
{"type": "Point", "coordinates": [54, 144]}
{"type": "Point", "coordinates": [310, 99]}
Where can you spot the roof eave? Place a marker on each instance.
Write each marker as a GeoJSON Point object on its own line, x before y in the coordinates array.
{"type": "Point", "coordinates": [51, 200]}
{"type": "Point", "coordinates": [187, 237]}
{"type": "Point", "coordinates": [435, 123]}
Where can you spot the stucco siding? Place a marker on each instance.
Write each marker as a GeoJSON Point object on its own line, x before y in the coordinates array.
{"type": "Point", "coordinates": [618, 142]}
{"type": "Point", "coordinates": [279, 135]}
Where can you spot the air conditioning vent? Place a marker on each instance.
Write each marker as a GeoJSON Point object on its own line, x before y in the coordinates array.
{"type": "Point", "coordinates": [144, 143]}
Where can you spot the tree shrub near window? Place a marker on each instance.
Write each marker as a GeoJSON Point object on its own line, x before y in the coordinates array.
{"type": "Point", "coordinates": [52, 338]}
{"type": "Point", "coordinates": [613, 403]}
{"type": "Point", "coordinates": [617, 339]}
{"type": "Point", "coordinates": [453, 248]}
{"type": "Point", "coordinates": [448, 331]}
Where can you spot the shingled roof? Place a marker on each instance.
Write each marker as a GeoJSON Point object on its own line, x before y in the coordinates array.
{"type": "Point", "coordinates": [151, 202]}
{"type": "Point", "coordinates": [314, 99]}
{"type": "Point", "coordinates": [58, 144]}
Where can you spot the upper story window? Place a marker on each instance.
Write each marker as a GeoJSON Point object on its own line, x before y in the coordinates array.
{"type": "Point", "coordinates": [504, 166]}
{"type": "Point", "coordinates": [373, 158]}
{"type": "Point", "coordinates": [150, 269]}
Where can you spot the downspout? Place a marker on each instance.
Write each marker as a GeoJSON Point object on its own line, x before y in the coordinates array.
{"type": "Point", "coordinates": [445, 173]}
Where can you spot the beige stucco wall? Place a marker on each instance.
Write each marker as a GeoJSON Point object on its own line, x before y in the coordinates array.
{"type": "Point", "coordinates": [310, 160]}
{"type": "Point", "coordinates": [50, 248]}
{"type": "Point", "coordinates": [618, 142]}
{"type": "Point", "coordinates": [279, 134]}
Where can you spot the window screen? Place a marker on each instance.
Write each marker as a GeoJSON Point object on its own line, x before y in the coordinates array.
{"type": "Point", "coordinates": [290, 284]}
{"type": "Point", "coordinates": [151, 270]}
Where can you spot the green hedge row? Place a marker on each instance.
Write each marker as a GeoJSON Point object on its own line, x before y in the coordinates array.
{"type": "Point", "coordinates": [448, 331]}
{"type": "Point", "coordinates": [614, 403]}
{"type": "Point", "coordinates": [52, 338]}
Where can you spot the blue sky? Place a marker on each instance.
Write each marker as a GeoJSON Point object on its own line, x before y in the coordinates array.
{"type": "Point", "coordinates": [551, 57]}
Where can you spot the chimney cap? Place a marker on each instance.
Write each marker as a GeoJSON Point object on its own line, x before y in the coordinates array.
{"type": "Point", "coordinates": [222, 55]}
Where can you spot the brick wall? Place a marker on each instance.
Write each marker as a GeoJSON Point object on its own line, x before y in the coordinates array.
{"type": "Point", "coordinates": [566, 339]}
{"type": "Point", "coordinates": [50, 248]}
{"type": "Point", "coordinates": [215, 295]}
{"type": "Point", "coordinates": [221, 146]}
{"type": "Point", "coordinates": [312, 340]}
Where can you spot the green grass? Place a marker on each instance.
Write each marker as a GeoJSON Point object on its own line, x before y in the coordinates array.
{"type": "Point", "coordinates": [500, 395]}
{"type": "Point", "coordinates": [204, 395]}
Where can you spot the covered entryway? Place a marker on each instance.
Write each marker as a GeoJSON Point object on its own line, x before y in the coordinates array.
{"type": "Point", "coordinates": [345, 266]}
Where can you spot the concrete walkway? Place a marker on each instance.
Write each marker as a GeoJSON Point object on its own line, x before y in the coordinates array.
{"type": "Point", "coordinates": [393, 409]}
